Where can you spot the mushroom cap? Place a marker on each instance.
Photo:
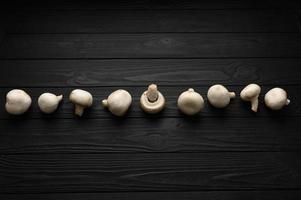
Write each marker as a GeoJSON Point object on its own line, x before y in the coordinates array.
{"type": "Point", "coordinates": [276, 98]}
{"type": "Point", "coordinates": [118, 102]}
{"type": "Point", "coordinates": [250, 91]}
{"type": "Point", "coordinates": [190, 102]}
{"type": "Point", "coordinates": [81, 97]}
{"type": "Point", "coordinates": [49, 102]}
{"type": "Point", "coordinates": [17, 102]}
{"type": "Point", "coordinates": [152, 107]}
{"type": "Point", "coordinates": [218, 96]}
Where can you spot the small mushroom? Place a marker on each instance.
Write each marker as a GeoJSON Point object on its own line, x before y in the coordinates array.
{"type": "Point", "coordinates": [81, 99]}
{"type": "Point", "coordinates": [151, 100]}
{"type": "Point", "coordinates": [251, 93]}
{"type": "Point", "coordinates": [219, 96]}
{"type": "Point", "coordinates": [118, 102]}
{"type": "Point", "coordinates": [17, 102]}
{"type": "Point", "coordinates": [48, 102]}
{"type": "Point", "coordinates": [276, 99]}
{"type": "Point", "coordinates": [190, 102]}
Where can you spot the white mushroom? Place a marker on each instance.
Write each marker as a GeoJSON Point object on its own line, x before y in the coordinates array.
{"type": "Point", "coordinates": [251, 93]}
{"type": "Point", "coordinates": [118, 102]}
{"type": "Point", "coordinates": [48, 102]}
{"type": "Point", "coordinates": [219, 96]}
{"type": "Point", "coordinates": [81, 99]}
{"type": "Point", "coordinates": [190, 102]}
{"type": "Point", "coordinates": [151, 100]}
{"type": "Point", "coordinates": [17, 102]}
{"type": "Point", "coordinates": [276, 99]}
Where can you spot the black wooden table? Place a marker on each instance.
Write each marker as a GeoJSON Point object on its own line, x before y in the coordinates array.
{"type": "Point", "coordinates": [219, 154]}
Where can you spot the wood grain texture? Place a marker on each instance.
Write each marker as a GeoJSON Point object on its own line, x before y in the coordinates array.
{"type": "Point", "coordinates": [130, 21]}
{"type": "Point", "coordinates": [102, 46]}
{"type": "Point", "coordinates": [237, 108]}
{"type": "Point", "coordinates": [205, 195]}
{"type": "Point", "coordinates": [2, 34]}
{"type": "Point", "coordinates": [149, 135]}
{"type": "Point", "coordinates": [141, 72]}
{"type": "Point", "coordinates": [298, 14]}
{"type": "Point", "coordinates": [149, 172]}
{"type": "Point", "coordinates": [2, 25]}
{"type": "Point", "coordinates": [84, 46]}
{"type": "Point", "coordinates": [153, 4]}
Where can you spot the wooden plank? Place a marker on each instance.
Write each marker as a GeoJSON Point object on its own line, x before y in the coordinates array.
{"type": "Point", "coordinates": [298, 14]}
{"type": "Point", "coordinates": [152, 21]}
{"type": "Point", "coordinates": [149, 135]}
{"type": "Point", "coordinates": [205, 195]}
{"type": "Point", "coordinates": [2, 34]}
{"type": "Point", "coordinates": [146, 4]}
{"type": "Point", "coordinates": [149, 172]}
{"type": "Point", "coordinates": [3, 16]}
{"type": "Point", "coordinates": [141, 72]}
{"type": "Point", "coordinates": [237, 108]}
{"type": "Point", "coordinates": [84, 46]}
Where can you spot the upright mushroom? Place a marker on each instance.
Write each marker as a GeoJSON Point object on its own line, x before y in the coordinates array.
{"type": "Point", "coordinates": [190, 102]}
{"type": "Point", "coordinates": [118, 102]}
{"type": "Point", "coordinates": [251, 93]}
{"type": "Point", "coordinates": [81, 99]}
{"type": "Point", "coordinates": [219, 96]}
{"type": "Point", "coordinates": [151, 100]}
{"type": "Point", "coordinates": [276, 99]}
{"type": "Point", "coordinates": [17, 102]}
{"type": "Point", "coordinates": [49, 102]}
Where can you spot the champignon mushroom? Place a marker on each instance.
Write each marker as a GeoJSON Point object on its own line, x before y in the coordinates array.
{"type": "Point", "coordinates": [251, 93]}
{"type": "Point", "coordinates": [190, 102]}
{"type": "Point", "coordinates": [276, 99]}
{"type": "Point", "coordinates": [219, 96]}
{"type": "Point", "coordinates": [49, 102]}
{"type": "Point", "coordinates": [118, 102]}
{"type": "Point", "coordinates": [82, 99]}
{"type": "Point", "coordinates": [151, 100]}
{"type": "Point", "coordinates": [17, 102]}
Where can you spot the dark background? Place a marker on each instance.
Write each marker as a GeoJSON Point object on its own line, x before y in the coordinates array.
{"type": "Point", "coordinates": [219, 154]}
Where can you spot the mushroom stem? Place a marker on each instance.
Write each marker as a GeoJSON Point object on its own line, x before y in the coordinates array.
{"type": "Point", "coordinates": [288, 102]}
{"type": "Point", "coordinates": [79, 110]}
{"type": "Point", "coordinates": [59, 98]}
{"type": "Point", "coordinates": [232, 95]}
{"type": "Point", "coordinates": [254, 104]}
{"type": "Point", "coordinates": [104, 103]}
{"type": "Point", "coordinates": [152, 93]}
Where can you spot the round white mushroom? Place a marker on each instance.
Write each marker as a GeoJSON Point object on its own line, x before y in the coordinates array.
{"type": "Point", "coordinates": [276, 99]}
{"type": "Point", "coordinates": [190, 102]}
{"type": "Point", "coordinates": [219, 96]}
{"type": "Point", "coordinates": [81, 99]}
{"type": "Point", "coordinates": [17, 102]}
{"type": "Point", "coordinates": [151, 100]}
{"type": "Point", "coordinates": [49, 102]}
{"type": "Point", "coordinates": [251, 93]}
{"type": "Point", "coordinates": [118, 102]}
